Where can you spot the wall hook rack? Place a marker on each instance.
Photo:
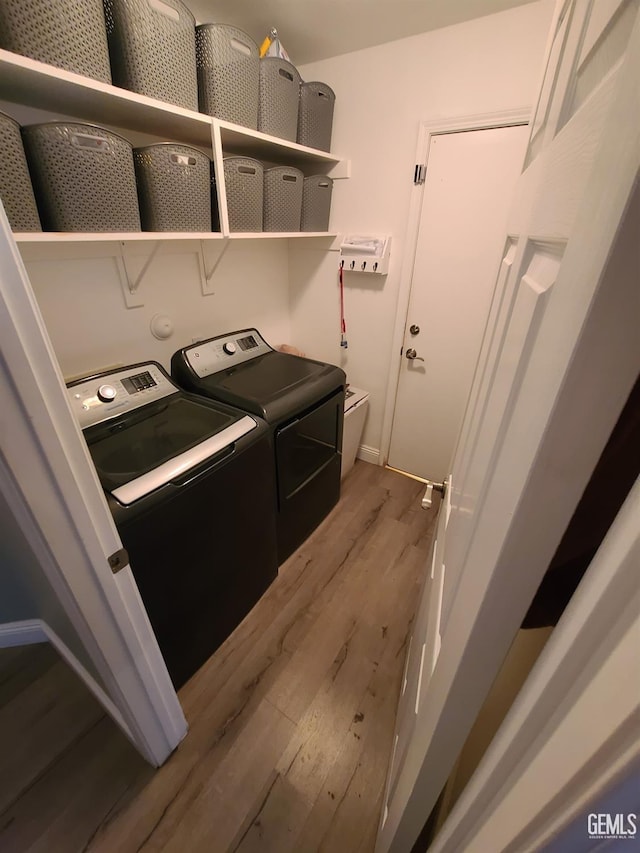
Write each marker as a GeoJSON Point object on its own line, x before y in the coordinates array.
{"type": "Point", "coordinates": [368, 254]}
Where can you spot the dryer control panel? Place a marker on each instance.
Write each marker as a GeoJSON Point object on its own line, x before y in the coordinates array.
{"type": "Point", "coordinates": [107, 395]}
{"type": "Point", "coordinates": [226, 351]}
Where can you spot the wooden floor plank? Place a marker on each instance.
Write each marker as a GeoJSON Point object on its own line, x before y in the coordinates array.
{"type": "Point", "coordinates": [41, 722]}
{"type": "Point", "coordinates": [291, 720]}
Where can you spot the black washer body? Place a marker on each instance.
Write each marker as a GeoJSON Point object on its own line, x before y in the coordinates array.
{"type": "Point", "coordinates": [202, 546]}
{"type": "Point", "coordinates": [303, 402]}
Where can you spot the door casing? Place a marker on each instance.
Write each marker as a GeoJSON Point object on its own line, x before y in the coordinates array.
{"type": "Point", "coordinates": [427, 130]}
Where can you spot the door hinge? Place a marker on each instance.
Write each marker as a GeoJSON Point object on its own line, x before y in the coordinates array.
{"type": "Point", "coordinates": [419, 174]}
{"type": "Point", "coordinates": [118, 560]}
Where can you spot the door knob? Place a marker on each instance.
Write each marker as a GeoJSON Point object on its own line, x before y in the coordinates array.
{"type": "Point", "coordinates": [412, 355]}
{"type": "Point", "coordinates": [415, 330]}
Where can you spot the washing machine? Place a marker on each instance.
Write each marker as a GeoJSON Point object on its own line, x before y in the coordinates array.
{"type": "Point", "coordinates": [303, 402]}
{"type": "Point", "coordinates": [189, 483]}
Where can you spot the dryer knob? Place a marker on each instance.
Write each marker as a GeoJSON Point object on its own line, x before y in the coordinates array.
{"type": "Point", "coordinates": [229, 347]}
{"type": "Point", "coordinates": [106, 393]}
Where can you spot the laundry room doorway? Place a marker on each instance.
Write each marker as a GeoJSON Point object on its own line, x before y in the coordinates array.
{"type": "Point", "coordinates": [471, 167]}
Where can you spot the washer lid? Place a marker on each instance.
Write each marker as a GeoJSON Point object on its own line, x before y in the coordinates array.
{"type": "Point", "coordinates": [241, 369]}
{"type": "Point", "coordinates": [137, 453]}
{"type": "Point", "coordinates": [274, 386]}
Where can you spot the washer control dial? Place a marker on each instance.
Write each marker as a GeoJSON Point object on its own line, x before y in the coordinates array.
{"type": "Point", "coordinates": [229, 347]}
{"type": "Point", "coordinates": [106, 393]}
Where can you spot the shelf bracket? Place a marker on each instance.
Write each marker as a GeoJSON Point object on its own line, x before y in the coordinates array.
{"type": "Point", "coordinates": [129, 284]}
{"type": "Point", "coordinates": [207, 275]}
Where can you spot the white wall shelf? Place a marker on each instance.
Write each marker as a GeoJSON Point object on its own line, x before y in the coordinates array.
{"type": "Point", "coordinates": [252, 143]}
{"type": "Point", "coordinates": [109, 237]}
{"type": "Point", "coordinates": [58, 237]}
{"type": "Point", "coordinates": [36, 84]}
{"type": "Point", "coordinates": [27, 82]}
{"type": "Point", "coordinates": [278, 235]}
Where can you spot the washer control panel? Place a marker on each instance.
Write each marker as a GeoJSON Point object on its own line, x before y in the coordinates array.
{"type": "Point", "coordinates": [107, 395]}
{"type": "Point", "coordinates": [226, 351]}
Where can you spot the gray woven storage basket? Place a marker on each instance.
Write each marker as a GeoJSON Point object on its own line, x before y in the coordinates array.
{"type": "Point", "coordinates": [244, 183]}
{"type": "Point", "coordinates": [316, 203]}
{"type": "Point", "coordinates": [174, 187]}
{"type": "Point", "coordinates": [282, 198]}
{"type": "Point", "coordinates": [315, 117]}
{"type": "Point", "coordinates": [83, 177]}
{"type": "Point", "coordinates": [69, 34]}
{"type": "Point", "coordinates": [16, 191]}
{"type": "Point", "coordinates": [279, 98]}
{"type": "Point", "coordinates": [228, 62]}
{"type": "Point", "coordinates": [153, 49]}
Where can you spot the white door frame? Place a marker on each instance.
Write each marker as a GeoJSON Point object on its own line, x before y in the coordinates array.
{"type": "Point", "coordinates": [59, 504]}
{"type": "Point", "coordinates": [571, 733]}
{"type": "Point", "coordinates": [427, 129]}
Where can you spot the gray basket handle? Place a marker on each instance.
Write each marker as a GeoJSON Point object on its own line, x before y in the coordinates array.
{"type": "Point", "coordinates": [240, 46]}
{"type": "Point", "coordinates": [246, 170]}
{"type": "Point", "coordinates": [92, 143]}
{"type": "Point", "coordinates": [284, 73]}
{"type": "Point", "coordinates": [182, 159]}
{"type": "Point", "coordinates": [290, 177]}
{"type": "Point", "coordinates": [324, 185]}
{"type": "Point", "coordinates": [165, 9]}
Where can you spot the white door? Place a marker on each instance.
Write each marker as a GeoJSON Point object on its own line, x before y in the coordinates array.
{"type": "Point", "coordinates": [47, 477]}
{"type": "Point", "coordinates": [558, 360]}
{"type": "Point", "coordinates": [469, 183]}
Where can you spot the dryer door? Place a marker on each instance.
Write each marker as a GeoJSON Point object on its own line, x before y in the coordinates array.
{"type": "Point", "coordinates": [306, 445]}
{"type": "Point", "coordinates": [308, 457]}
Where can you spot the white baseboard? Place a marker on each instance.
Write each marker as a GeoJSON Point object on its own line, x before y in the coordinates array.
{"type": "Point", "coordinates": [369, 454]}
{"type": "Point", "coordinates": [23, 633]}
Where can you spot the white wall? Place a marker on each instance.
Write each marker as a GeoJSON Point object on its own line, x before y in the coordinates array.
{"type": "Point", "coordinates": [382, 94]}
{"type": "Point", "coordinates": [83, 305]}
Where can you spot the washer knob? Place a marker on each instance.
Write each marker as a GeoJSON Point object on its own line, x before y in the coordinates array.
{"type": "Point", "coordinates": [106, 393]}
{"type": "Point", "coordinates": [229, 347]}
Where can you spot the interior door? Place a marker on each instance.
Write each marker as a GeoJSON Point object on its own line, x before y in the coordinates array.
{"type": "Point", "coordinates": [559, 357]}
{"type": "Point", "coordinates": [469, 183]}
{"type": "Point", "coordinates": [58, 502]}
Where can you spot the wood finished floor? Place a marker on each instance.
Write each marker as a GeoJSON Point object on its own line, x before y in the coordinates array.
{"type": "Point", "coordinates": [291, 721]}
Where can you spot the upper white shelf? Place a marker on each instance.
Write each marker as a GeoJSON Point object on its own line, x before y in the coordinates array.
{"type": "Point", "coordinates": [73, 237]}
{"type": "Point", "coordinates": [252, 143]}
{"type": "Point", "coordinates": [112, 237]}
{"type": "Point", "coordinates": [36, 84]}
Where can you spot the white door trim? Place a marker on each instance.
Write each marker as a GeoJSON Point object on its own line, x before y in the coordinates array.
{"type": "Point", "coordinates": [427, 129]}
{"type": "Point", "coordinates": [33, 631]}
{"type": "Point", "coordinates": [50, 483]}
{"type": "Point", "coordinates": [572, 731]}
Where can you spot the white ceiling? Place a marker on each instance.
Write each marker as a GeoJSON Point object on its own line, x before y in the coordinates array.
{"type": "Point", "coordinates": [317, 29]}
